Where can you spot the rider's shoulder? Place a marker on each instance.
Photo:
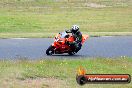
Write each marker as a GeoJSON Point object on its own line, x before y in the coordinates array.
{"type": "Point", "coordinates": [79, 33]}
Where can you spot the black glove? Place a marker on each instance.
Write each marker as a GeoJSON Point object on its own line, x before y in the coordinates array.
{"type": "Point", "coordinates": [68, 31]}
{"type": "Point", "coordinates": [67, 42]}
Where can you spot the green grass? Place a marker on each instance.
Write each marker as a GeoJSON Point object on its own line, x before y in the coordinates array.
{"type": "Point", "coordinates": [20, 18]}
{"type": "Point", "coordinates": [17, 72]}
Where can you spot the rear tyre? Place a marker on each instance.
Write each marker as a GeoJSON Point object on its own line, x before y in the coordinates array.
{"type": "Point", "coordinates": [71, 53]}
{"type": "Point", "coordinates": [50, 50]}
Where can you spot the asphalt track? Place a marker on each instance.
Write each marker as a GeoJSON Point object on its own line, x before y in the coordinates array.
{"type": "Point", "coordinates": [35, 48]}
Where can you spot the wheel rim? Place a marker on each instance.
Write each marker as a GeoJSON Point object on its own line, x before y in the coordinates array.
{"type": "Point", "coordinates": [50, 52]}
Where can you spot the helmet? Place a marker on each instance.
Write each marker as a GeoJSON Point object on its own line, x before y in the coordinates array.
{"type": "Point", "coordinates": [75, 28]}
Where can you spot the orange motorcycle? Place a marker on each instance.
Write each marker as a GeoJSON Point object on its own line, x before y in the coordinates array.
{"type": "Point", "coordinates": [60, 46]}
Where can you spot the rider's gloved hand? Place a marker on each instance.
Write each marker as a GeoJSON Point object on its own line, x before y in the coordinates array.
{"type": "Point", "coordinates": [67, 42]}
{"type": "Point", "coordinates": [68, 31]}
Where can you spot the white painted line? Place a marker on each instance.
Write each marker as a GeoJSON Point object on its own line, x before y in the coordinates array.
{"type": "Point", "coordinates": [19, 38]}
{"type": "Point", "coordinates": [107, 36]}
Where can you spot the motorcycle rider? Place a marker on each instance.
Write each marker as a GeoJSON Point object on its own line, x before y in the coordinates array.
{"type": "Point", "coordinates": [78, 37]}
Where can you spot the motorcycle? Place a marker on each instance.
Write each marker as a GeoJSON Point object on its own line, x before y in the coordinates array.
{"type": "Point", "coordinates": [60, 46]}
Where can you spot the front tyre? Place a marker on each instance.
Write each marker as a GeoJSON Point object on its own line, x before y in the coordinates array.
{"type": "Point", "coordinates": [50, 50]}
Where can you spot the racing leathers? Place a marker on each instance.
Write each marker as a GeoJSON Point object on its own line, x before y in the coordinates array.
{"type": "Point", "coordinates": [78, 39]}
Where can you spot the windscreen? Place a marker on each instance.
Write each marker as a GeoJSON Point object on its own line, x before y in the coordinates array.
{"type": "Point", "coordinates": [63, 34]}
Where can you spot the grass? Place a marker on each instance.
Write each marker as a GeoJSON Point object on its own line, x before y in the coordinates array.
{"type": "Point", "coordinates": [50, 35]}
{"type": "Point", "coordinates": [38, 18]}
{"type": "Point", "coordinates": [62, 72]}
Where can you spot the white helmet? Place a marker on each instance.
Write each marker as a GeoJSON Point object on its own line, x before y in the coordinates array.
{"type": "Point", "coordinates": [75, 28]}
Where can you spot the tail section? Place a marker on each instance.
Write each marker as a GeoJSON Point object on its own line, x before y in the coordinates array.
{"type": "Point", "coordinates": [84, 37]}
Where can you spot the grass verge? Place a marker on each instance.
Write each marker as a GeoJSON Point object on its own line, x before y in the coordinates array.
{"type": "Point", "coordinates": [57, 73]}
{"type": "Point", "coordinates": [51, 35]}
{"type": "Point", "coordinates": [38, 18]}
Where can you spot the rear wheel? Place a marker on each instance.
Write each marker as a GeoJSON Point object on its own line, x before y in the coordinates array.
{"type": "Point", "coordinates": [71, 53]}
{"type": "Point", "coordinates": [50, 50]}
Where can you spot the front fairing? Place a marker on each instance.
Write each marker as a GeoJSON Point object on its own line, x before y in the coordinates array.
{"type": "Point", "coordinates": [60, 39]}
{"type": "Point", "coordinates": [59, 42]}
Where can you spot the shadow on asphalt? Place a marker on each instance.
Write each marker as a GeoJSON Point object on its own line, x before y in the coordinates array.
{"type": "Point", "coordinates": [68, 55]}
{"type": "Point", "coordinates": [65, 56]}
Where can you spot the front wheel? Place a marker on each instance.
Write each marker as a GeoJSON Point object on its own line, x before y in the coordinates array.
{"type": "Point", "coordinates": [50, 50]}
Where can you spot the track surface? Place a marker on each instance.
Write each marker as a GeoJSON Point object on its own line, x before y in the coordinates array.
{"type": "Point", "coordinates": [94, 47]}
